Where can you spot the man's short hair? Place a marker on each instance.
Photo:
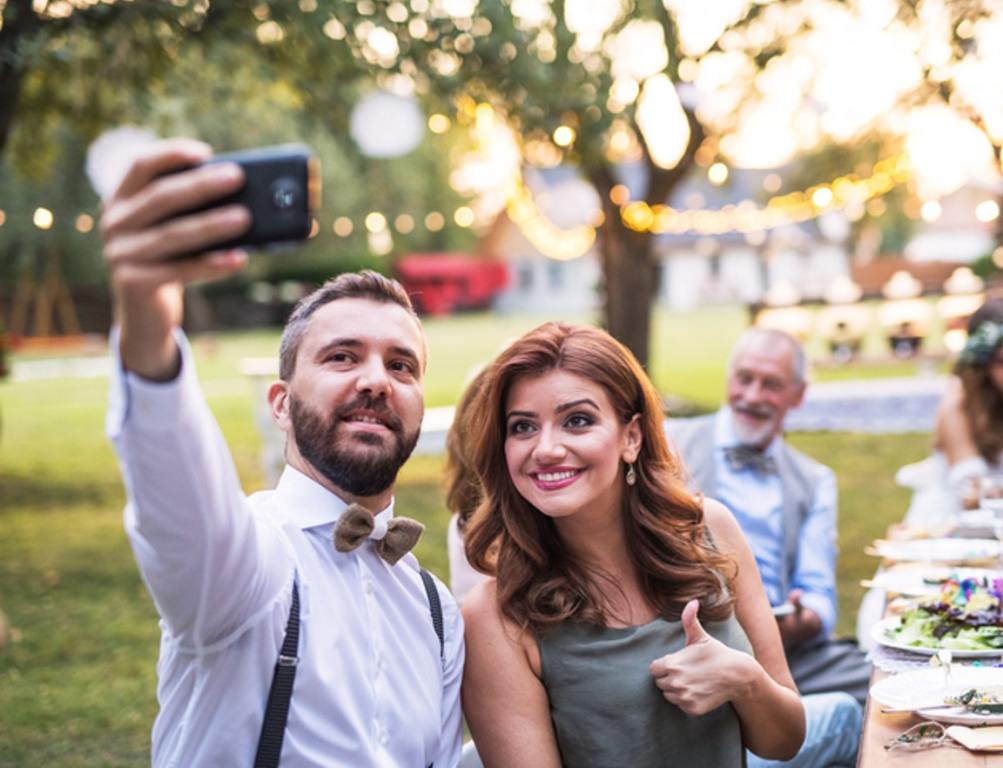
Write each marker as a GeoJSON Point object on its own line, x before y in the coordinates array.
{"type": "Point", "coordinates": [366, 284]}
{"type": "Point", "coordinates": [769, 337]}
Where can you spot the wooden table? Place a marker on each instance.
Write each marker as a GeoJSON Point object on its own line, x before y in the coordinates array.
{"type": "Point", "coordinates": [879, 729]}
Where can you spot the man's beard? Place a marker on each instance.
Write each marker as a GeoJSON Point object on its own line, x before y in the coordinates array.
{"type": "Point", "coordinates": [756, 436]}
{"type": "Point", "coordinates": [360, 472]}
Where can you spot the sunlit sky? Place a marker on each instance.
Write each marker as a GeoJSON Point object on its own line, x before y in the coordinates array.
{"type": "Point", "coordinates": [851, 71]}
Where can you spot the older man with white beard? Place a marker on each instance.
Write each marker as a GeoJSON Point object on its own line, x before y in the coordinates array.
{"type": "Point", "coordinates": [786, 505]}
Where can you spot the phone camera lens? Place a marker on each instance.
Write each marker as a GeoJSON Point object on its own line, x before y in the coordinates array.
{"type": "Point", "coordinates": [285, 194]}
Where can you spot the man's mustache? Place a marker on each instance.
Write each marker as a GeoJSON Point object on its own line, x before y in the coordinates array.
{"type": "Point", "coordinates": [377, 406]}
{"type": "Point", "coordinates": [756, 411]}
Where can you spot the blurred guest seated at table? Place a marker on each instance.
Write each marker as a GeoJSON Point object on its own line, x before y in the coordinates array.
{"type": "Point", "coordinates": [626, 624]}
{"type": "Point", "coordinates": [785, 503]}
{"type": "Point", "coordinates": [905, 340]}
{"type": "Point", "coordinates": [463, 491]}
{"type": "Point", "coordinates": [968, 437]}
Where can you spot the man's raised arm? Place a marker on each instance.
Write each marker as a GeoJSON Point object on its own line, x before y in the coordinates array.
{"type": "Point", "coordinates": [142, 241]}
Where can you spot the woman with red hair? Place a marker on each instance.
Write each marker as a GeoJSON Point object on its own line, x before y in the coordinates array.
{"type": "Point", "coordinates": [626, 624]}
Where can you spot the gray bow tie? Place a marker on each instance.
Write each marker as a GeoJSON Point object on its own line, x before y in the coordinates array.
{"type": "Point", "coordinates": [741, 457]}
{"type": "Point", "coordinates": [395, 540]}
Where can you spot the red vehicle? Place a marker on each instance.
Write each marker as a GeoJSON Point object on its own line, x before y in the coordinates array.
{"type": "Point", "coordinates": [439, 283]}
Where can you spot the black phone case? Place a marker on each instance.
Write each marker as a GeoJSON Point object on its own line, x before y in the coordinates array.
{"type": "Point", "coordinates": [278, 189]}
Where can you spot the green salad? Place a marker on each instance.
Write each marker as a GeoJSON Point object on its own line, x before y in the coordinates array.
{"type": "Point", "coordinates": [965, 616]}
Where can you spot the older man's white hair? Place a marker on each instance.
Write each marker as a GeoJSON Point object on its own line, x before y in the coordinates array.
{"type": "Point", "coordinates": [769, 338]}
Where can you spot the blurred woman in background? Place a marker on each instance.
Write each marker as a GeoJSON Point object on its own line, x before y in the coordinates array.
{"type": "Point", "coordinates": [463, 491]}
{"type": "Point", "coordinates": [968, 436]}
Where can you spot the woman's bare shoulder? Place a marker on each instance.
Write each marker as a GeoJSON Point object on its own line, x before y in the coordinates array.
{"type": "Point", "coordinates": [491, 633]}
{"type": "Point", "coordinates": [722, 524]}
{"type": "Point", "coordinates": [481, 603]}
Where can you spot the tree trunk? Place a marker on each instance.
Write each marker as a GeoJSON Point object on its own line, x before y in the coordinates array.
{"type": "Point", "coordinates": [19, 23]}
{"type": "Point", "coordinates": [630, 275]}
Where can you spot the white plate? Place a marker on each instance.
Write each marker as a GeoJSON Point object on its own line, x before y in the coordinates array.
{"type": "Point", "coordinates": [924, 688]}
{"type": "Point", "coordinates": [925, 580]}
{"type": "Point", "coordinates": [939, 550]}
{"type": "Point", "coordinates": [879, 635]}
{"type": "Point", "coordinates": [976, 518]}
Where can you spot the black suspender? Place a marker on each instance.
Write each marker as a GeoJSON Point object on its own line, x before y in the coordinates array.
{"type": "Point", "coordinates": [273, 728]}
{"type": "Point", "coordinates": [435, 608]}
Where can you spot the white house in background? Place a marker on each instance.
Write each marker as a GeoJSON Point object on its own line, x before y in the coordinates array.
{"type": "Point", "coordinates": [695, 269]}
{"type": "Point", "coordinates": [538, 283]}
{"type": "Point", "coordinates": [956, 235]}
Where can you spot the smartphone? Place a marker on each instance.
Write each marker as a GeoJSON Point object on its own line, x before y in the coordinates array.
{"type": "Point", "coordinates": [784, 609]}
{"type": "Point", "coordinates": [282, 188]}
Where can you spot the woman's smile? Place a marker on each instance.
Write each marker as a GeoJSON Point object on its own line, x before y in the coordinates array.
{"type": "Point", "coordinates": [555, 478]}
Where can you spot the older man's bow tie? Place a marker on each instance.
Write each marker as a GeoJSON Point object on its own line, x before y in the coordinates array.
{"type": "Point", "coordinates": [741, 457]}
{"type": "Point", "coordinates": [393, 539]}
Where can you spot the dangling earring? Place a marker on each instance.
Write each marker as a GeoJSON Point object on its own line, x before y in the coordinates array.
{"type": "Point", "coordinates": [631, 476]}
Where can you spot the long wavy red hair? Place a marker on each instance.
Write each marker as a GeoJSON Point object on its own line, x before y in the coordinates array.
{"type": "Point", "coordinates": [539, 582]}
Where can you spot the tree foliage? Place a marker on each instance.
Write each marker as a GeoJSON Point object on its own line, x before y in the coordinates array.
{"type": "Point", "coordinates": [576, 81]}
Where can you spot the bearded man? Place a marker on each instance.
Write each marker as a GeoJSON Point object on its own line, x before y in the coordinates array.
{"type": "Point", "coordinates": [295, 624]}
{"type": "Point", "coordinates": [785, 503]}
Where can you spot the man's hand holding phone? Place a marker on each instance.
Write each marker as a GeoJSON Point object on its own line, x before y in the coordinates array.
{"type": "Point", "coordinates": [144, 234]}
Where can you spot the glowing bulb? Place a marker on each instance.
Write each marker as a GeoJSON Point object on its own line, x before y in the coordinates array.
{"type": "Point", "coordinates": [269, 32]}
{"type": "Point", "coordinates": [434, 221]}
{"type": "Point", "coordinates": [638, 216]}
{"type": "Point", "coordinates": [619, 194]}
{"type": "Point", "coordinates": [438, 123]}
{"type": "Point", "coordinates": [463, 216]}
{"type": "Point", "coordinates": [821, 197]}
{"type": "Point", "coordinates": [987, 210]}
{"type": "Point", "coordinates": [717, 174]}
{"type": "Point", "coordinates": [404, 224]}
{"type": "Point", "coordinates": [376, 221]}
{"type": "Point", "coordinates": [564, 136]}
{"type": "Point", "coordinates": [930, 211]}
{"type": "Point", "coordinates": [43, 218]}
{"type": "Point", "coordinates": [876, 207]}
{"type": "Point", "coordinates": [343, 226]}
{"type": "Point", "coordinates": [314, 229]}
{"type": "Point", "coordinates": [84, 223]}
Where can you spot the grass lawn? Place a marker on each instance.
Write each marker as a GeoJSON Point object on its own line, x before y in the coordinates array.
{"type": "Point", "coordinates": [77, 682]}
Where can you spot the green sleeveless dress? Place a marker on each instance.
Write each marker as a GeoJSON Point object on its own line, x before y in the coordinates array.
{"type": "Point", "coordinates": [607, 711]}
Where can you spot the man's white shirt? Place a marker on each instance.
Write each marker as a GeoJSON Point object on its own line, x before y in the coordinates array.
{"type": "Point", "coordinates": [371, 688]}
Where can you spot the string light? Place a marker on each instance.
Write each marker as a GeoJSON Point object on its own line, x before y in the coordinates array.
{"type": "Point", "coordinates": [847, 193]}
{"type": "Point", "coordinates": [564, 136]}
{"type": "Point", "coordinates": [545, 236]}
{"type": "Point", "coordinates": [930, 211]}
{"type": "Point", "coordinates": [987, 211]}
{"type": "Point", "coordinates": [438, 123]}
{"type": "Point", "coordinates": [404, 223]}
{"type": "Point", "coordinates": [435, 221]}
{"type": "Point", "coordinates": [717, 174]}
{"type": "Point", "coordinates": [42, 218]}
{"type": "Point", "coordinates": [463, 216]}
{"type": "Point", "coordinates": [792, 208]}
{"type": "Point", "coordinates": [376, 221]}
